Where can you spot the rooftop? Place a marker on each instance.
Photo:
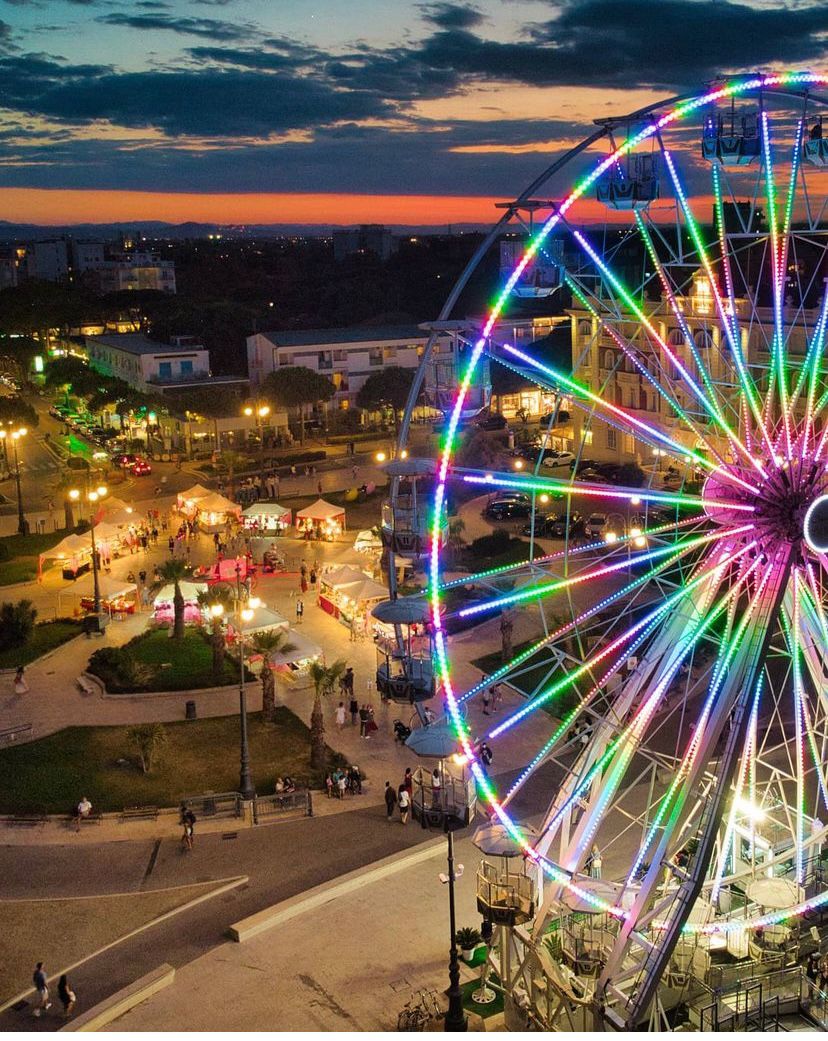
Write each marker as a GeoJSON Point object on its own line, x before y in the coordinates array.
{"type": "Point", "coordinates": [137, 343]}
{"type": "Point", "coordinates": [355, 334]}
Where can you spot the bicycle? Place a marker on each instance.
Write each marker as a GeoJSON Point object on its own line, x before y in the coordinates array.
{"type": "Point", "coordinates": [420, 1010]}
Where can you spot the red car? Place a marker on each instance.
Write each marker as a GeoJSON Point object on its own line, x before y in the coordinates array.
{"type": "Point", "coordinates": [140, 468]}
{"type": "Point", "coordinates": [126, 461]}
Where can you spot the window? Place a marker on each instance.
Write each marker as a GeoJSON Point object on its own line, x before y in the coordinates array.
{"type": "Point", "coordinates": [165, 370]}
{"type": "Point", "coordinates": [587, 437]}
{"type": "Point", "coordinates": [704, 339]}
{"type": "Point", "coordinates": [375, 357]}
{"type": "Point", "coordinates": [629, 444]}
{"type": "Point", "coordinates": [675, 337]}
{"type": "Point", "coordinates": [612, 438]}
{"type": "Point", "coordinates": [186, 367]}
{"type": "Point", "coordinates": [609, 360]}
{"type": "Point", "coordinates": [585, 329]}
{"type": "Point", "coordinates": [324, 360]}
{"type": "Point", "coordinates": [643, 404]}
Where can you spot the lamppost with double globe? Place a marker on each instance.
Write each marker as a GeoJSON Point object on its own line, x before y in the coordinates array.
{"type": "Point", "coordinates": [15, 435]}
{"type": "Point", "coordinates": [261, 412]}
{"type": "Point", "coordinates": [92, 496]}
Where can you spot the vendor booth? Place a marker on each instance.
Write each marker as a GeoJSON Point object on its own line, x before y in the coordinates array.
{"type": "Point", "coordinates": [187, 501]}
{"type": "Point", "coordinates": [214, 510]}
{"type": "Point", "coordinates": [118, 597]}
{"type": "Point", "coordinates": [349, 595]}
{"type": "Point", "coordinates": [302, 652]}
{"type": "Point", "coordinates": [73, 554]}
{"type": "Point", "coordinates": [321, 520]}
{"type": "Point", "coordinates": [266, 518]}
{"type": "Point", "coordinates": [264, 620]}
{"type": "Point", "coordinates": [162, 605]}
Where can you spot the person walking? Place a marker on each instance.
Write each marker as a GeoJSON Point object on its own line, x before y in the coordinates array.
{"type": "Point", "coordinates": [300, 610]}
{"type": "Point", "coordinates": [486, 699]}
{"type": "Point", "coordinates": [42, 988]}
{"type": "Point", "coordinates": [67, 996]}
{"type": "Point", "coordinates": [188, 819]}
{"type": "Point", "coordinates": [340, 715]}
{"type": "Point", "coordinates": [313, 577]}
{"type": "Point", "coordinates": [390, 800]}
{"type": "Point", "coordinates": [404, 800]}
{"type": "Point", "coordinates": [20, 684]}
{"type": "Point", "coordinates": [408, 780]}
{"type": "Point", "coordinates": [363, 721]}
{"type": "Point", "coordinates": [353, 708]}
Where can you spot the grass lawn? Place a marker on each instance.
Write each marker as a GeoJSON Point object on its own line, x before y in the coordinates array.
{"type": "Point", "coordinates": [44, 639]}
{"type": "Point", "coordinates": [532, 672]}
{"type": "Point", "coordinates": [185, 664]}
{"type": "Point", "coordinates": [51, 775]}
{"type": "Point", "coordinates": [19, 553]}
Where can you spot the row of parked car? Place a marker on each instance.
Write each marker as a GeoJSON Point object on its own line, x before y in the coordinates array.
{"type": "Point", "coordinates": [110, 442]}
{"type": "Point", "coordinates": [518, 506]}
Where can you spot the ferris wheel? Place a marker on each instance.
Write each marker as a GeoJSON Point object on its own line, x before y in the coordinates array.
{"type": "Point", "coordinates": [676, 668]}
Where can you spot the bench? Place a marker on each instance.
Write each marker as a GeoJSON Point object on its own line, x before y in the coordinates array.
{"type": "Point", "coordinates": [90, 818]}
{"type": "Point", "coordinates": [86, 686]}
{"type": "Point", "coordinates": [26, 820]}
{"type": "Point", "coordinates": [139, 813]}
{"type": "Point", "coordinates": [13, 733]}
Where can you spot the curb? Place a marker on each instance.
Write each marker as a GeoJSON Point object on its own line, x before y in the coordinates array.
{"type": "Point", "coordinates": [326, 893]}
{"type": "Point", "coordinates": [122, 1001]}
{"type": "Point", "coordinates": [230, 883]}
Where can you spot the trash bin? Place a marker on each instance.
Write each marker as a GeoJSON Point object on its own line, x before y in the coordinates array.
{"type": "Point", "coordinates": [190, 710]}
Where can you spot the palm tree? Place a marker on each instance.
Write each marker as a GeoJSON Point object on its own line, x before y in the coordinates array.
{"type": "Point", "coordinates": [325, 679]}
{"type": "Point", "coordinates": [222, 595]}
{"type": "Point", "coordinates": [268, 644]}
{"type": "Point", "coordinates": [176, 571]}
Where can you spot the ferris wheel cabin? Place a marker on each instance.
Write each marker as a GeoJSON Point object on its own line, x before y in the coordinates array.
{"type": "Point", "coordinates": [632, 186]}
{"type": "Point", "coordinates": [723, 143]}
{"type": "Point", "coordinates": [815, 147]}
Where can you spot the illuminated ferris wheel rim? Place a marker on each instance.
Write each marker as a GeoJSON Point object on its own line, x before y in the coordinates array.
{"type": "Point", "coordinates": [779, 83]}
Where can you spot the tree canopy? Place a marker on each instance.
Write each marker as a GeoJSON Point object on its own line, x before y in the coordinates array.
{"type": "Point", "coordinates": [294, 385]}
{"type": "Point", "coordinates": [386, 387]}
{"type": "Point", "coordinates": [16, 410]}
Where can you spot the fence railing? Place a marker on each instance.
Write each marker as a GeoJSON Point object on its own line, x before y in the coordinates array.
{"type": "Point", "coordinates": [268, 807]}
{"type": "Point", "coordinates": [215, 804]}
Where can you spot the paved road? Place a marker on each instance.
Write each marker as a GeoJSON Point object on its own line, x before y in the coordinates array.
{"type": "Point", "coordinates": [281, 860]}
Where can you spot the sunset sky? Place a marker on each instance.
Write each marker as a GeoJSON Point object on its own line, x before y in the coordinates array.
{"type": "Point", "coordinates": [338, 111]}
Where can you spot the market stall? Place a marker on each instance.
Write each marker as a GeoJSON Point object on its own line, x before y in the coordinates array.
{"type": "Point", "coordinates": [187, 501]}
{"type": "Point", "coordinates": [267, 518]}
{"type": "Point", "coordinates": [321, 520]}
{"type": "Point", "coordinates": [162, 605]}
{"type": "Point", "coordinates": [349, 595]}
{"type": "Point", "coordinates": [118, 597]}
{"type": "Point", "coordinates": [264, 620]}
{"type": "Point", "coordinates": [214, 510]}
{"type": "Point", "coordinates": [302, 652]}
{"type": "Point", "coordinates": [73, 554]}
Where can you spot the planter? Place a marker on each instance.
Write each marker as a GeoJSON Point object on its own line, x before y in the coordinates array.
{"type": "Point", "coordinates": [467, 953]}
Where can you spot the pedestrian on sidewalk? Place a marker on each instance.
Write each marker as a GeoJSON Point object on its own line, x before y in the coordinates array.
{"type": "Point", "coordinates": [340, 715]}
{"type": "Point", "coordinates": [67, 996]}
{"type": "Point", "coordinates": [353, 708]}
{"type": "Point", "coordinates": [20, 684]}
{"type": "Point", "coordinates": [342, 784]}
{"type": "Point", "coordinates": [370, 726]}
{"type": "Point", "coordinates": [319, 487]}
{"type": "Point", "coordinates": [329, 785]}
{"type": "Point", "coordinates": [390, 800]}
{"type": "Point", "coordinates": [363, 721]}
{"type": "Point", "coordinates": [348, 680]}
{"type": "Point", "coordinates": [486, 699]}
{"type": "Point", "coordinates": [300, 610]}
{"type": "Point", "coordinates": [408, 780]}
{"type": "Point", "coordinates": [42, 988]}
{"type": "Point", "coordinates": [404, 800]}
{"type": "Point", "coordinates": [188, 819]}
{"type": "Point", "coordinates": [313, 577]}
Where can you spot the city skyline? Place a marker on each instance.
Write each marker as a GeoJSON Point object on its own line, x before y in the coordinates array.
{"type": "Point", "coordinates": [404, 113]}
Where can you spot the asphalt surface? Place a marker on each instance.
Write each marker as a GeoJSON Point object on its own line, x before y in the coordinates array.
{"type": "Point", "coordinates": [281, 860]}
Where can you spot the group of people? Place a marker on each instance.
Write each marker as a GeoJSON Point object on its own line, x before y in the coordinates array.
{"type": "Point", "coordinates": [256, 489]}
{"type": "Point", "coordinates": [344, 781]}
{"type": "Point", "coordinates": [65, 992]}
{"type": "Point", "coordinates": [399, 798]}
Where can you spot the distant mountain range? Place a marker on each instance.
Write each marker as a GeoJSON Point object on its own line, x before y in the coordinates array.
{"type": "Point", "coordinates": [10, 232]}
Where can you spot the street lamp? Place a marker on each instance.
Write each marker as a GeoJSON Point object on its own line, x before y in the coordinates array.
{"type": "Point", "coordinates": [260, 412]}
{"type": "Point", "coordinates": [244, 609]}
{"type": "Point", "coordinates": [15, 435]}
{"type": "Point", "coordinates": [93, 495]}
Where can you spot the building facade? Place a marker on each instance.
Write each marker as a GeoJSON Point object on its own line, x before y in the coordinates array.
{"type": "Point", "coordinates": [148, 365]}
{"type": "Point", "coordinates": [346, 356]}
{"type": "Point", "coordinates": [367, 238]}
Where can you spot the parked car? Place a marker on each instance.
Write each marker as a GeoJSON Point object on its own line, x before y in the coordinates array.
{"type": "Point", "coordinates": [126, 460]}
{"type": "Point", "coordinates": [558, 526]}
{"type": "Point", "coordinates": [511, 497]}
{"type": "Point", "coordinates": [555, 458]}
{"type": "Point", "coordinates": [562, 417]}
{"type": "Point", "coordinates": [141, 468]}
{"type": "Point", "coordinates": [507, 509]}
{"type": "Point", "coordinates": [494, 421]}
{"type": "Point", "coordinates": [597, 525]}
{"type": "Point", "coordinates": [543, 526]}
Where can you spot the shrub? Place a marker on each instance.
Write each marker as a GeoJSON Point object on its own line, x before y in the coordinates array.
{"type": "Point", "coordinates": [491, 545]}
{"type": "Point", "coordinates": [16, 623]}
{"type": "Point", "coordinates": [119, 670]}
{"type": "Point", "coordinates": [150, 741]}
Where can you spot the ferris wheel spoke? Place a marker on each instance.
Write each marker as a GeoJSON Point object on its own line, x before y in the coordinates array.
{"type": "Point", "coordinates": [498, 479]}
{"type": "Point", "coordinates": [549, 588]}
{"type": "Point", "coordinates": [609, 759]}
{"type": "Point", "coordinates": [644, 431]}
{"type": "Point", "coordinates": [634, 354]}
{"type": "Point", "coordinates": [726, 558]}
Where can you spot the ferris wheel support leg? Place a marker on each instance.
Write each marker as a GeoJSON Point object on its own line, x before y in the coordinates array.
{"type": "Point", "coordinates": [733, 703]}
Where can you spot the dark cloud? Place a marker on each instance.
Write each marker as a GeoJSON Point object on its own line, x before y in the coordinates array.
{"type": "Point", "coordinates": [209, 28]}
{"type": "Point", "coordinates": [451, 16]}
{"type": "Point", "coordinates": [248, 59]}
{"type": "Point", "coordinates": [662, 43]}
